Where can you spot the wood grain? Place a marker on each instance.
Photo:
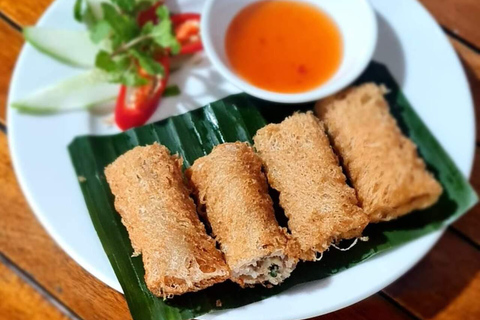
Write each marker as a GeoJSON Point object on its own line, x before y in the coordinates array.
{"type": "Point", "coordinates": [471, 64]}
{"type": "Point", "coordinates": [469, 225]}
{"type": "Point", "coordinates": [444, 285]}
{"type": "Point", "coordinates": [470, 58]}
{"type": "Point", "coordinates": [24, 241]}
{"type": "Point", "coordinates": [460, 16]}
{"type": "Point", "coordinates": [19, 301]}
{"type": "Point", "coordinates": [24, 12]}
{"type": "Point", "coordinates": [8, 56]}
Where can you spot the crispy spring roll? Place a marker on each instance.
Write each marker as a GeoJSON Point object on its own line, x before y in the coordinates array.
{"type": "Point", "coordinates": [321, 208]}
{"type": "Point", "coordinates": [382, 164]}
{"type": "Point", "coordinates": [232, 189]}
{"type": "Point", "coordinates": [161, 220]}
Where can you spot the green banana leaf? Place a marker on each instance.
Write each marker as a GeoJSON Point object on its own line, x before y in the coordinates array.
{"type": "Point", "coordinates": [233, 118]}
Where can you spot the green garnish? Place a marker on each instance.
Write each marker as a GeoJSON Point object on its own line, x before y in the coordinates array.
{"type": "Point", "coordinates": [273, 270]}
{"type": "Point", "coordinates": [171, 91]}
{"type": "Point", "coordinates": [127, 45]}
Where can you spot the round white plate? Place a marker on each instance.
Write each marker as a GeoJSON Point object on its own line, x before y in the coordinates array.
{"type": "Point", "coordinates": [410, 43]}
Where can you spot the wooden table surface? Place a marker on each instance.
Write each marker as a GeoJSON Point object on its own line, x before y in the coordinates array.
{"type": "Point", "coordinates": [39, 281]}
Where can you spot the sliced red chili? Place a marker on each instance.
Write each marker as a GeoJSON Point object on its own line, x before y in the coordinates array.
{"type": "Point", "coordinates": [182, 17]}
{"type": "Point", "coordinates": [149, 14]}
{"type": "Point", "coordinates": [135, 105]}
{"type": "Point", "coordinates": [187, 31]}
{"type": "Point", "coordinates": [191, 48]}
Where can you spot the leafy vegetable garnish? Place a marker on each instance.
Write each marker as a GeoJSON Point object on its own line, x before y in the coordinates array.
{"type": "Point", "coordinates": [78, 10]}
{"type": "Point", "coordinates": [273, 270]}
{"type": "Point", "coordinates": [171, 91]}
{"type": "Point", "coordinates": [127, 45]}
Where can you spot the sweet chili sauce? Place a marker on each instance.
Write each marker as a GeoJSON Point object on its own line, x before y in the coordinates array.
{"type": "Point", "coordinates": [284, 46]}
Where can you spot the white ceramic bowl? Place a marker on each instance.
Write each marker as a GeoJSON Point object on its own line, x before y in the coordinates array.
{"type": "Point", "coordinates": [355, 19]}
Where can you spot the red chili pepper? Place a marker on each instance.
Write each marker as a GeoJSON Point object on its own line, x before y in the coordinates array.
{"type": "Point", "coordinates": [187, 31]}
{"type": "Point", "coordinates": [149, 14]}
{"type": "Point", "coordinates": [190, 48]}
{"type": "Point", "coordinates": [182, 17]}
{"type": "Point", "coordinates": [135, 105]}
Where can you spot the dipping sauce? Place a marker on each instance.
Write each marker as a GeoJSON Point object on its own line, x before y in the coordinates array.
{"type": "Point", "coordinates": [284, 46]}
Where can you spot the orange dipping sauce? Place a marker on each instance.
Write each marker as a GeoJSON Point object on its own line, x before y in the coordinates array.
{"type": "Point", "coordinates": [284, 46]}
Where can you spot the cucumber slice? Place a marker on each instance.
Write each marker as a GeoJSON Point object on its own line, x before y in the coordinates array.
{"type": "Point", "coordinates": [83, 91]}
{"type": "Point", "coordinates": [71, 47]}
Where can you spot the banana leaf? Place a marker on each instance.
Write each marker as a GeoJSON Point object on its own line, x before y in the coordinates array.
{"type": "Point", "coordinates": [234, 118]}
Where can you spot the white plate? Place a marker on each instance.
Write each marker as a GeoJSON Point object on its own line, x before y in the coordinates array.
{"type": "Point", "coordinates": [410, 43]}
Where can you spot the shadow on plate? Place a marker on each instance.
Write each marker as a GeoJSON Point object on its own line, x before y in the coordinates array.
{"type": "Point", "coordinates": [389, 50]}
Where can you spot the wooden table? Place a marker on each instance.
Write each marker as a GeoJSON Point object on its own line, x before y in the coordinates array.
{"type": "Point", "coordinates": [39, 281]}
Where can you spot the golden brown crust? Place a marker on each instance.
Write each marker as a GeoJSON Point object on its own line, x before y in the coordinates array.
{"type": "Point", "coordinates": [160, 216]}
{"type": "Point", "coordinates": [230, 184]}
{"type": "Point", "coordinates": [301, 165]}
{"type": "Point", "coordinates": [383, 165]}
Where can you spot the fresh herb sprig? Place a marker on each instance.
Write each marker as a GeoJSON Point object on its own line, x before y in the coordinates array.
{"type": "Point", "coordinates": [127, 45]}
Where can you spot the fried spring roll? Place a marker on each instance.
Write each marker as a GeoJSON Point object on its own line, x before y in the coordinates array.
{"type": "Point", "coordinates": [230, 185]}
{"type": "Point", "coordinates": [161, 220]}
{"type": "Point", "coordinates": [382, 164]}
{"type": "Point", "coordinates": [300, 164]}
